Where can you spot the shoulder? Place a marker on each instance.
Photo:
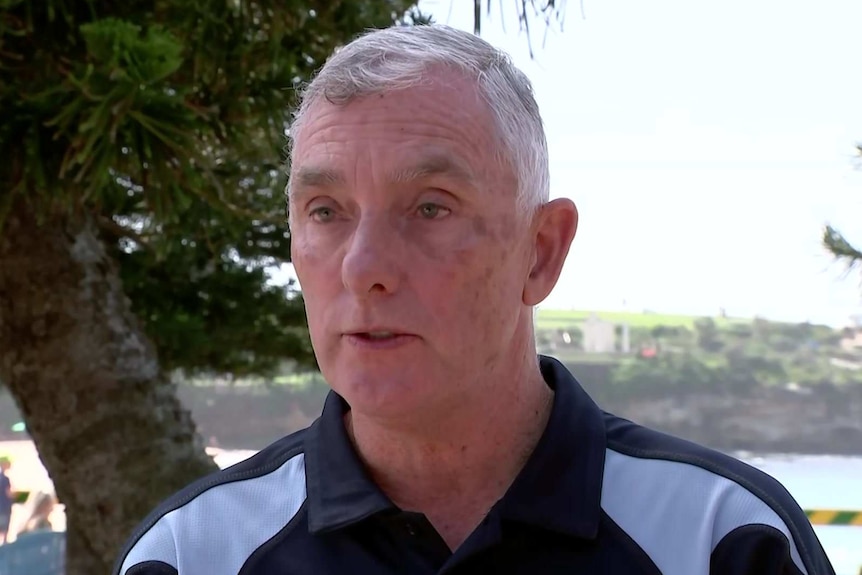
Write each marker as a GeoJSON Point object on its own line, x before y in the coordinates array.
{"type": "Point", "coordinates": [661, 489]}
{"type": "Point", "coordinates": [199, 526]}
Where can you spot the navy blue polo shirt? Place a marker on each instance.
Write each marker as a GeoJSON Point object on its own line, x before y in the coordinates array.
{"type": "Point", "coordinates": [599, 494]}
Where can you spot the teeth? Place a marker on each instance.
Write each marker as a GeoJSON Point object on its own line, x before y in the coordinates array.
{"type": "Point", "coordinates": [380, 334]}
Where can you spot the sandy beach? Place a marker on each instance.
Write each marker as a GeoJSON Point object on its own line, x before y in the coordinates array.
{"type": "Point", "coordinates": [28, 474]}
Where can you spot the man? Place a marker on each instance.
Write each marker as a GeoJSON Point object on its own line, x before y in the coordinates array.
{"type": "Point", "coordinates": [422, 236]}
{"type": "Point", "coordinates": [7, 498]}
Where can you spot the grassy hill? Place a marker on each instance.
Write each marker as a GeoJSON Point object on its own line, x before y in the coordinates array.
{"type": "Point", "coordinates": [557, 319]}
{"type": "Point", "coordinates": [718, 350]}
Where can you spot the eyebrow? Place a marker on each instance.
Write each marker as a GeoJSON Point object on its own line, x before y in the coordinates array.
{"type": "Point", "coordinates": [433, 166]}
{"type": "Point", "coordinates": [323, 177]}
{"type": "Point", "coordinates": [316, 177]}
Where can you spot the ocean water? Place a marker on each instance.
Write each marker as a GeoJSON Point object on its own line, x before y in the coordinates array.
{"type": "Point", "coordinates": [816, 482]}
{"type": "Point", "coordinates": [824, 482]}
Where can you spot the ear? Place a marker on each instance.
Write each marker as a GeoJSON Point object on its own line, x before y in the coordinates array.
{"type": "Point", "coordinates": [554, 226]}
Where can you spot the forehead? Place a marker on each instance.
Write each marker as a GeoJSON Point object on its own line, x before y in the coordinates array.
{"type": "Point", "coordinates": [441, 127]}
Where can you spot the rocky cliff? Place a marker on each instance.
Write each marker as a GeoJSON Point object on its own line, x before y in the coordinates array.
{"type": "Point", "coordinates": [827, 419]}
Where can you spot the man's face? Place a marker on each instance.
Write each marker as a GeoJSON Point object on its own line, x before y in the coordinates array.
{"type": "Point", "coordinates": [408, 246]}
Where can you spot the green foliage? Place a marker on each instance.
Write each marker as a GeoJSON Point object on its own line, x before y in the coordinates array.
{"type": "Point", "coordinates": [553, 318]}
{"type": "Point", "coordinates": [672, 373]}
{"type": "Point", "coordinates": [669, 332]}
{"type": "Point", "coordinates": [684, 373]}
{"type": "Point", "coordinates": [718, 356]}
{"type": "Point", "coordinates": [835, 242]}
{"type": "Point", "coordinates": [165, 123]}
{"type": "Point", "coordinates": [837, 245]}
{"type": "Point", "coordinates": [548, 12]}
{"type": "Point", "coordinates": [707, 335]}
{"type": "Point", "coordinates": [121, 47]}
{"type": "Point", "coordinates": [120, 102]}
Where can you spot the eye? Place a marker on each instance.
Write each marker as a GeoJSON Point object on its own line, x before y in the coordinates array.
{"type": "Point", "coordinates": [322, 214]}
{"type": "Point", "coordinates": [431, 211]}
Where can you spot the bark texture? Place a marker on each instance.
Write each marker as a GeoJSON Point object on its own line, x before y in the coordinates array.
{"type": "Point", "coordinates": [108, 426]}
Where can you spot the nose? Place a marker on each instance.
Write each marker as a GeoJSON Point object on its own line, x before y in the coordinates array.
{"type": "Point", "coordinates": [371, 263]}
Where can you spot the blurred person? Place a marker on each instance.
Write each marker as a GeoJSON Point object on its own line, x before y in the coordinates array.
{"type": "Point", "coordinates": [423, 236]}
{"type": "Point", "coordinates": [7, 498]}
{"type": "Point", "coordinates": [41, 508]}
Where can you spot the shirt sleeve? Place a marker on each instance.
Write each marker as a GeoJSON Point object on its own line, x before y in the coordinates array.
{"type": "Point", "coordinates": [152, 553]}
{"type": "Point", "coordinates": [763, 550]}
{"type": "Point", "coordinates": [151, 568]}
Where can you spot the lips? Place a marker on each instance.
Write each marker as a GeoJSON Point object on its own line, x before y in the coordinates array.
{"type": "Point", "coordinates": [376, 334]}
{"type": "Point", "coordinates": [378, 338]}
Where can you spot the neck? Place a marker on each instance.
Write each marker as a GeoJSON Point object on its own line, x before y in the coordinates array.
{"type": "Point", "coordinates": [455, 469]}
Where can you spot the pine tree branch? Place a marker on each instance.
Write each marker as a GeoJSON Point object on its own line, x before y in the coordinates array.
{"type": "Point", "coordinates": [117, 231]}
{"type": "Point", "coordinates": [839, 247]}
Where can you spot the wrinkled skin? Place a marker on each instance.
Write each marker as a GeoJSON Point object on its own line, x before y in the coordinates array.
{"type": "Point", "coordinates": [404, 221]}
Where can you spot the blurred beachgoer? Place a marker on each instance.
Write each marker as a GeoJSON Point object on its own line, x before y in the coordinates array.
{"type": "Point", "coordinates": [6, 498]}
{"type": "Point", "coordinates": [41, 508]}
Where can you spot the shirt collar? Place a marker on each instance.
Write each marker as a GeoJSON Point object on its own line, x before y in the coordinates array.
{"type": "Point", "coordinates": [340, 492]}
{"type": "Point", "coordinates": [559, 487]}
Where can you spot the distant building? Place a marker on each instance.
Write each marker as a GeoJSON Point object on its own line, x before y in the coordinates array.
{"type": "Point", "coordinates": [852, 342]}
{"type": "Point", "coordinates": [600, 336]}
{"type": "Point", "coordinates": [626, 343]}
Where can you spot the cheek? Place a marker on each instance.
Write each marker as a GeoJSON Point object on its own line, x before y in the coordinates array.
{"type": "Point", "coordinates": [499, 284]}
{"type": "Point", "coordinates": [310, 258]}
{"type": "Point", "coordinates": [319, 283]}
{"type": "Point", "coordinates": [480, 316]}
{"type": "Point", "coordinates": [482, 299]}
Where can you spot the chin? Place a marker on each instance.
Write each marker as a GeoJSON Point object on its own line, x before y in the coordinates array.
{"type": "Point", "coordinates": [383, 395]}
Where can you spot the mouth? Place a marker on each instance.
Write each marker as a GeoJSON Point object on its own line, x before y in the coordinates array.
{"type": "Point", "coordinates": [379, 334]}
{"type": "Point", "coordinates": [378, 338]}
{"type": "Point", "coordinates": [376, 335]}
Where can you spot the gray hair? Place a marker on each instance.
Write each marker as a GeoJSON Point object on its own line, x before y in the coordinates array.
{"type": "Point", "coordinates": [399, 57]}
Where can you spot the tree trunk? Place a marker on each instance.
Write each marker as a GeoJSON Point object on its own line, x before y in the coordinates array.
{"type": "Point", "coordinates": [108, 426]}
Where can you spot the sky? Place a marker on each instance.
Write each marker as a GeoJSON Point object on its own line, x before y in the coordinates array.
{"type": "Point", "coordinates": [705, 144]}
